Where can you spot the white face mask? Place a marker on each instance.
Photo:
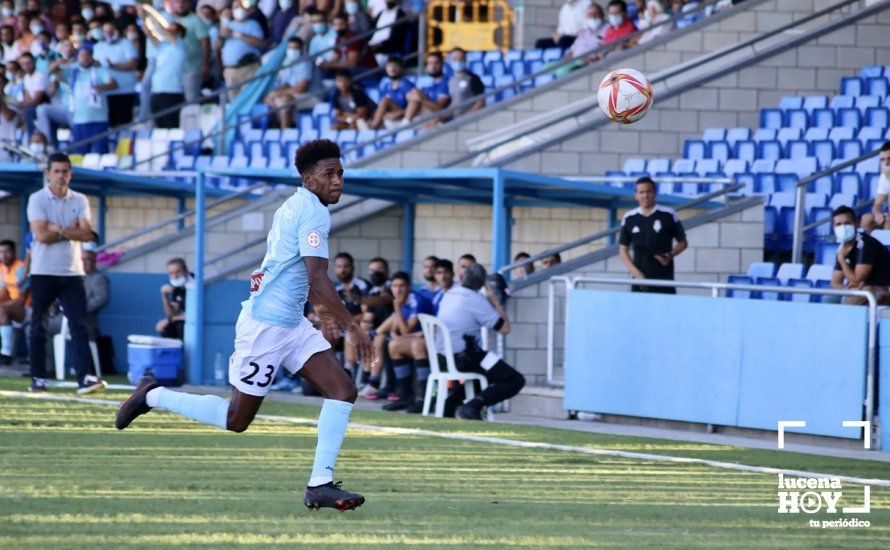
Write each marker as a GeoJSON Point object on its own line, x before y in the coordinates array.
{"type": "Point", "coordinates": [285, 4]}
{"type": "Point", "coordinates": [292, 55]}
{"type": "Point", "coordinates": [615, 20]}
{"type": "Point", "coordinates": [239, 14]}
{"type": "Point", "coordinates": [844, 233]}
{"type": "Point", "coordinates": [6, 12]}
{"type": "Point", "coordinates": [37, 148]}
{"type": "Point", "coordinates": [593, 23]}
{"type": "Point", "coordinates": [178, 282]}
{"type": "Point", "coordinates": [87, 13]}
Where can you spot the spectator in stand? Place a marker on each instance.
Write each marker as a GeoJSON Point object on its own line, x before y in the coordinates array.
{"type": "Point", "coordinates": [359, 20]}
{"type": "Point", "coordinates": [173, 300]}
{"type": "Point", "coordinates": [7, 41]}
{"type": "Point", "coordinates": [863, 263]}
{"type": "Point", "coordinates": [9, 119]}
{"type": "Point", "coordinates": [877, 219]}
{"type": "Point", "coordinates": [444, 280]}
{"type": "Point", "coordinates": [62, 32]}
{"type": "Point", "coordinates": [25, 36]}
{"type": "Point", "coordinates": [57, 112]}
{"type": "Point", "coordinates": [464, 85]}
{"type": "Point", "coordinates": [42, 51]}
{"type": "Point", "coordinates": [34, 90]}
{"type": "Point", "coordinates": [525, 270]}
{"type": "Point", "coordinates": [170, 54]}
{"type": "Point", "coordinates": [282, 19]}
{"type": "Point", "coordinates": [35, 10]}
{"type": "Point", "coordinates": [38, 147]}
{"type": "Point", "coordinates": [293, 84]}
{"type": "Point", "coordinates": [120, 58]}
{"type": "Point", "coordinates": [394, 91]}
{"type": "Point", "coordinates": [569, 24]}
{"type": "Point", "coordinates": [7, 13]}
{"type": "Point", "coordinates": [351, 54]}
{"type": "Point", "coordinates": [13, 297]}
{"type": "Point", "coordinates": [352, 108]}
{"type": "Point", "coordinates": [654, 16]}
{"type": "Point", "coordinates": [590, 37]}
{"type": "Point", "coordinates": [324, 37]}
{"type": "Point", "coordinates": [96, 286]}
{"type": "Point", "coordinates": [78, 33]}
{"type": "Point", "coordinates": [550, 261]}
{"type": "Point", "coordinates": [389, 41]}
{"type": "Point", "coordinates": [254, 14]}
{"type": "Point", "coordinates": [619, 25]}
{"type": "Point", "coordinates": [197, 47]}
{"type": "Point", "coordinates": [209, 16]}
{"type": "Point", "coordinates": [432, 98]}
{"type": "Point", "coordinates": [89, 84]}
{"type": "Point", "coordinates": [95, 31]}
{"type": "Point", "coordinates": [242, 43]}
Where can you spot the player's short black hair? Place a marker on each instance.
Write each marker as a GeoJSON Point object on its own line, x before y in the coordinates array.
{"type": "Point", "coordinates": [380, 260]}
{"type": "Point", "coordinates": [445, 264]}
{"type": "Point", "coordinates": [311, 153]}
{"type": "Point", "coordinates": [886, 146]}
{"type": "Point", "coordinates": [10, 244]}
{"type": "Point", "coordinates": [345, 255]}
{"type": "Point", "coordinates": [646, 180]}
{"type": "Point", "coordinates": [401, 275]}
{"type": "Point", "coordinates": [179, 261]}
{"type": "Point", "coordinates": [842, 210]}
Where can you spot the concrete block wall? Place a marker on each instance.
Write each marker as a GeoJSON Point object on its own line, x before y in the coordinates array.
{"type": "Point", "coordinates": [716, 250]}
{"type": "Point", "coordinates": [10, 219]}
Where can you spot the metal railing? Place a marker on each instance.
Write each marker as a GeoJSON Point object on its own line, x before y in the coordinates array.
{"type": "Point", "coordinates": [715, 289]}
{"type": "Point", "coordinates": [800, 199]}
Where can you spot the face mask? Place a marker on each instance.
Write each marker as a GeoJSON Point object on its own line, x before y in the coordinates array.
{"type": "Point", "coordinates": [110, 38]}
{"type": "Point", "coordinates": [37, 148]}
{"type": "Point", "coordinates": [78, 38]}
{"type": "Point", "coordinates": [96, 34]}
{"type": "Point", "coordinates": [292, 55]}
{"type": "Point", "coordinates": [133, 36]}
{"type": "Point", "coordinates": [239, 14]}
{"type": "Point", "coordinates": [459, 66]}
{"type": "Point", "coordinates": [87, 14]}
{"type": "Point", "coordinates": [378, 278]}
{"type": "Point", "coordinates": [319, 28]}
{"type": "Point", "coordinates": [285, 4]}
{"type": "Point", "coordinates": [6, 12]}
{"type": "Point", "coordinates": [36, 28]}
{"type": "Point", "coordinates": [616, 20]}
{"type": "Point", "coordinates": [178, 282]}
{"type": "Point", "coordinates": [594, 24]}
{"type": "Point", "coordinates": [10, 76]}
{"type": "Point", "coordinates": [844, 233]}
{"type": "Point", "coordinates": [351, 9]}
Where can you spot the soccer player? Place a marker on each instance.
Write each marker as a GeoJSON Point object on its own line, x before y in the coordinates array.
{"type": "Point", "coordinates": [272, 332]}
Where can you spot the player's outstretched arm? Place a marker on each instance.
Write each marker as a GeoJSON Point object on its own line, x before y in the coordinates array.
{"type": "Point", "coordinates": [322, 292]}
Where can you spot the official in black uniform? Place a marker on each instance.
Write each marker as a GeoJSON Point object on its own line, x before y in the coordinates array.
{"type": "Point", "coordinates": [651, 231]}
{"type": "Point", "coordinates": [862, 261]}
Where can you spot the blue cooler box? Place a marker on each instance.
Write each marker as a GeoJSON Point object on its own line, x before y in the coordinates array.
{"type": "Point", "coordinates": [164, 363]}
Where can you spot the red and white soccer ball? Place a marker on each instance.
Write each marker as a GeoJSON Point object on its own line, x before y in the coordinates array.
{"type": "Point", "coordinates": [625, 96]}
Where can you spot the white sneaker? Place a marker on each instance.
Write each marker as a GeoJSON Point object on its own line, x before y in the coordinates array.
{"type": "Point", "coordinates": [91, 384]}
{"type": "Point", "coordinates": [367, 390]}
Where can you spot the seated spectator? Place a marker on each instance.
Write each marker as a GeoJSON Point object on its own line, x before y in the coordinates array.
{"type": "Point", "coordinates": [389, 41]}
{"type": "Point", "coordinates": [393, 95]}
{"type": "Point", "coordinates": [170, 54]}
{"type": "Point", "coordinates": [324, 38]}
{"type": "Point", "coordinates": [464, 85]}
{"type": "Point", "coordinates": [862, 261]}
{"type": "Point", "coordinates": [7, 13]}
{"type": "Point", "coordinates": [523, 270]}
{"type": "Point", "coordinates": [550, 261]}
{"type": "Point", "coordinates": [430, 99]}
{"type": "Point", "coordinates": [34, 85]}
{"type": "Point", "coordinates": [350, 288]}
{"type": "Point", "coordinates": [78, 34]}
{"type": "Point", "coordinates": [7, 43]}
{"type": "Point", "coordinates": [619, 25]}
{"type": "Point", "coordinates": [57, 113]}
{"type": "Point", "coordinates": [569, 24]}
{"type": "Point", "coordinates": [9, 120]}
{"type": "Point", "coordinates": [378, 301]}
{"type": "Point", "coordinates": [590, 37]}
{"type": "Point", "coordinates": [90, 113]}
{"type": "Point", "coordinates": [359, 20]}
{"type": "Point", "coordinates": [282, 19]}
{"type": "Point", "coordinates": [293, 84]}
{"type": "Point", "coordinates": [352, 108]}
{"type": "Point", "coordinates": [120, 58]}
{"type": "Point", "coordinates": [242, 39]}
{"type": "Point", "coordinates": [173, 300]}
{"type": "Point", "coordinates": [97, 289]}
{"type": "Point", "coordinates": [444, 280]}
{"type": "Point", "coordinates": [465, 311]}
{"type": "Point", "coordinates": [25, 36]}
{"type": "Point", "coordinates": [38, 147]}
{"type": "Point", "coordinates": [653, 16]}
{"type": "Point", "coordinates": [877, 218]}
{"type": "Point", "coordinates": [351, 54]}
{"type": "Point", "coordinates": [13, 297]}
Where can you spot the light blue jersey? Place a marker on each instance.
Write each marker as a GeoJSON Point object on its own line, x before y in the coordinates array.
{"type": "Point", "coordinates": [279, 288]}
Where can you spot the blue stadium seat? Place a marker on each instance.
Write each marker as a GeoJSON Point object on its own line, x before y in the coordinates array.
{"type": "Point", "coordinates": [841, 199]}
{"type": "Point", "coordinates": [848, 183]}
{"type": "Point", "coordinates": [815, 102]}
{"type": "Point", "coordinates": [791, 102]}
{"type": "Point", "coordinates": [272, 134]}
{"type": "Point", "coordinates": [739, 280]}
{"type": "Point", "coordinates": [819, 272]}
{"type": "Point", "coordinates": [867, 101]}
{"type": "Point", "coordinates": [770, 224]}
{"type": "Point", "coordinates": [823, 298]}
{"type": "Point", "coordinates": [785, 225]}
{"type": "Point", "coordinates": [654, 166]}
{"type": "Point", "coordinates": [767, 281]}
{"type": "Point", "coordinates": [871, 71]}
{"type": "Point", "coordinates": [492, 56]}
{"type": "Point", "coordinates": [822, 118]}
{"type": "Point", "coordinates": [763, 166]}
{"type": "Point", "coordinates": [765, 183]}
{"type": "Point", "coordinates": [720, 150]}
{"type": "Point", "coordinates": [748, 180]}
{"type": "Point", "coordinates": [826, 253]}
{"type": "Point", "coordinates": [799, 297]}
{"type": "Point", "coordinates": [497, 69]}
{"type": "Point", "coordinates": [764, 134]}
{"type": "Point", "coordinates": [259, 162]}
{"type": "Point", "coordinates": [849, 118]}
{"type": "Point", "coordinates": [870, 184]}
{"type": "Point", "coordinates": [745, 150]}
{"type": "Point", "coordinates": [684, 166]}
{"type": "Point", "coordinates": [770, 118]}
{"type": "Point", "coordinates": [784, 135]}
{"type": "Point", "coordinates": [707, 166]}
{"type": "Point", "coordinates": [869, 133]}
{"type": "Point", "coordinates": [877, 85]}
{"type": "Point", "coordinates": [734, 135]}
{"type": "Point", "coordinates": [634, 165]}
{"type": "Point", "coordinates": [551, 55]}
{"type": "Point", "coordinates": [882, 235]}
{"type": "Point", "coordinates": [838, 133]}
{"type": "Point", "coordinates": [803, 167]}
{"type": "Point", "coordinates": [848, 149]}
{"type": "Point", "coordinates": [259, 113]}
{"type": "Point", "coordinates": [666, 188]}
{"type": "Point", "coordinates": [784, 182]}
{"type": "Point", "coordinates": [734, 166]}
{"type": "Point", "coordinates": [278, 164]}
{"type": "Point", "coordinates": [695, 149]}
{"type": "Point", "coordinates": [796, 118]}
{"type": "Point", "coordinates": [782, 200]}
{"type": "Point", "coordinates": [813, 134]}
{"type": "Point", "coordinates": [533, 54]}
{"type": "Point", "coordinates": [851, 85]}
{"type": "Point", "coordinates": [841, 102]}
{"type": "Point", "coordinates": [185, 163]}
{"type": "Point", "coordinates": [821, 232]}
{"type": "Point", "coordinates": [796, 149]}
{"type": "Point", "coordinates": [824, 185]}
{"type": "Point", "coordinates": [290, 135]}
{"type": "Point", "coordinates": [769, 150]}
{"type": "Point", "coordinates": [877, 117]}
{"type": "Point", "coordinates": [474, 56]}
{"type": "Point", "coordinates": [714, 134]}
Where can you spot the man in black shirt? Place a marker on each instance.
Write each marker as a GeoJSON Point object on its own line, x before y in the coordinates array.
{"type": "Point", "coordinates": [348, 286]}
{"type": "Point", "coordinates": [651, 231]}
{"type": "Point", "coordinates": [352, 106]}
{"type": "Point", "coordinates": [861, 259]}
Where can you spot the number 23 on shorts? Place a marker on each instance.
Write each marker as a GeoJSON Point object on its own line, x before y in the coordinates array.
{"type": "Point", "coordinates": [270, 371]}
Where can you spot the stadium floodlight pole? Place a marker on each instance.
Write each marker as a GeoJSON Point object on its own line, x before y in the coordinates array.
{"type": "Point", "coordinates": [799, 203]}
{"type": "Point", "coordinates": [225, 89]}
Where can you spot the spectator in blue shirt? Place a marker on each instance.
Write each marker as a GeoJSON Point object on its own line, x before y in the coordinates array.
{"type": "Point", "coordinates": [430, 99]}
{"type": "Point", "coordinates": [167, 88]}
{"type": "Point", "coordinates": [282, 19]}
{"type": "Point", "coordinates": [89, 115]}
{"type": "Point", "coordinates": [242, 40]}
{"type": "Point", "coordinates": [324, 37]}
{"type": "Point", "coordinates": [293, 83]}
{"type": "Point", "coordinates": [394, 91]}
{"type": "Point", "coordinates": [120, 58]}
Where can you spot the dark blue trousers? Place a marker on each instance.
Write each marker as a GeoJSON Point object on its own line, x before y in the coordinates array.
{"type": "Point", "coordinates": [46, 289]}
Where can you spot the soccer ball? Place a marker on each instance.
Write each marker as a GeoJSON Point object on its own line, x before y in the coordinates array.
{"type": "Point", "coordinates": [625, 96]}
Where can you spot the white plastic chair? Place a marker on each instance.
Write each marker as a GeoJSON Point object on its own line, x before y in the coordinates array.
{"type": "Point", "coordinates": [438, 377]}
{"type": "Point", "coordinates": [59, 351]}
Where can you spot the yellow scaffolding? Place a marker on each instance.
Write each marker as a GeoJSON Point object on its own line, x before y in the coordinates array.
{"type": "Point", "coordinates": [469, 24]}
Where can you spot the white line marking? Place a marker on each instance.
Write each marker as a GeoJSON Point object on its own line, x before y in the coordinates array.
{"type": "Point", "coordinates": [788, 424]}
{"type": "Point", "coordinates": [866, 430]}
{"type": "Point", "coordinates": [508, 442]}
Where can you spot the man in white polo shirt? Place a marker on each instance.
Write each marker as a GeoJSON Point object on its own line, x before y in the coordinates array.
{"type": "Point", "coordinates": [60, 222]}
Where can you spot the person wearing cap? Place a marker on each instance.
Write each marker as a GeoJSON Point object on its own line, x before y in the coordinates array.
{"type": "Point", "coordinates": [465, 311]}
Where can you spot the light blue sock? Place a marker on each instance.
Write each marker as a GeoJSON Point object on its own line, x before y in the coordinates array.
{"type": "Point", "coordinates": [6, 336]}
{"type": "Point", "coordinates": [331, 428]}
{"type": "Point", "coordinates": [209, 409]}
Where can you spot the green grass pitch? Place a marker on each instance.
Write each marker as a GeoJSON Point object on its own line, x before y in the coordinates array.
{"type": "Point", "coordinates": [69, 479]}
